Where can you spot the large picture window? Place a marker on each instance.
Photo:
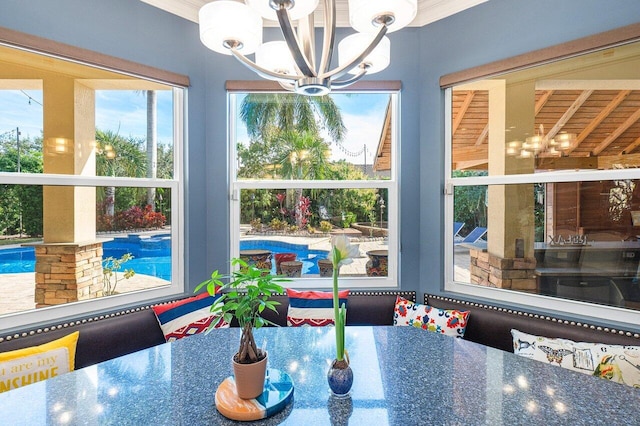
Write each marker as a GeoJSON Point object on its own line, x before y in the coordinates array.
{"type": "Point", "coordinates": [304, 169]}
{"type": "Point", "coordinates": [90, 185]}
{"type": "Point", "coordinates": [542, 185]}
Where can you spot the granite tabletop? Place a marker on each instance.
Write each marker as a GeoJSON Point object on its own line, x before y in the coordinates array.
{"type": "Point", "coordinates": [402, 376]}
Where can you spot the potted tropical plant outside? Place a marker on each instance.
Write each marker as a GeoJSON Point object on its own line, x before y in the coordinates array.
{"type": "Point", "coordinates": [245, 297]}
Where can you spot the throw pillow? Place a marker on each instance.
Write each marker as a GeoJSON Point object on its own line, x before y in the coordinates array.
{"type": "Point", "coordinates": [449, 322]}
{"type": "Point", "coordinates": [617, 363]}
{"type": "Point", "coordinates": [312, 308]}
{"type": "Point", "coordinates": [186, 317]}
{"type": "Point", "coordinates": [23, 367]}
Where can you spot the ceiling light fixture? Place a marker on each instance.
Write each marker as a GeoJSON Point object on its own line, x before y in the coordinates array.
{"type": "Point", "coordinates": [234, 28]}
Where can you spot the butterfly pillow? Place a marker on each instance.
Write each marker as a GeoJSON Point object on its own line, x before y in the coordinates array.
{"type": "Point", "coordinates": [616, 363]}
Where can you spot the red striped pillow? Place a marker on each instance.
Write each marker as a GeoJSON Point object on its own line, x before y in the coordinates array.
{"type": "Point", "coordinates": [186, 317]}
{"type": "Point", "coordinates": [312, 308]}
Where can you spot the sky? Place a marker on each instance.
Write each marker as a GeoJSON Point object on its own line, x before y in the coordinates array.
{"type": "Point", "coordinates": [363, 115]}
{"type": "Point", "coordinates": [124, 112]}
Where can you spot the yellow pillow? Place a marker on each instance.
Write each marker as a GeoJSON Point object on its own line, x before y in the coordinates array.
{"type": "Point", "coordinates": [29, 365]}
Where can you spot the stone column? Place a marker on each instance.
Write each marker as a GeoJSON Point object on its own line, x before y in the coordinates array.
{"type": "Point", "coordinates": [509, 260]}
{"type": "Point", "coordinates": [68, 272]}
{"type": "Point", "coordinates": [69, 262]}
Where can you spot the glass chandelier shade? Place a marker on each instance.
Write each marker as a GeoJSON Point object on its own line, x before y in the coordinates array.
{"type": "Point", "coordinates": [240, 24]}
{"type": "Point", "coordinates": [235, 28]}
{"type": "Point", "coordinates": [375, 61]}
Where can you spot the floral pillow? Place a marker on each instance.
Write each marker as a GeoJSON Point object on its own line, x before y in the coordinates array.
{"type": "Point", "coordinates": [450, 322]}
{"type": "Point", "coordinates": [617, 363]}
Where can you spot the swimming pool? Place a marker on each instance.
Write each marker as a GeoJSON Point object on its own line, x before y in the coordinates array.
{"type": "Point", "coordinates": [308, 257]}
{"type": "Point", "coordinates": [152, 255]}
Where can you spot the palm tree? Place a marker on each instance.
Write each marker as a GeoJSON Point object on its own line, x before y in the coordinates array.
{"type": "Point", "coordinates": [304, 156]}
{"type": "Point", "coordinates": [117, 157]}
{"type": "Point", "coordinates": [289, 111]}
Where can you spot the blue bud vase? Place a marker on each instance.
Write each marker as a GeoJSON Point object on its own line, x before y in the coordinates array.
{"type": "Point", "coordinates": [340, 378]}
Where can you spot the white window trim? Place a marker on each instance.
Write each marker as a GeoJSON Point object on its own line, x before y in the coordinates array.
{"type": "Point", "coordinates": [392, 185]}
{"type": "Point", "coordinates": [558, 306]}
{"type": "Point", "coordinates": [176, 287]}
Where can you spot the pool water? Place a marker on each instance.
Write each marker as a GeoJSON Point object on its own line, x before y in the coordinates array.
{"type": "Point", "coordinates": [308, 257]}
{"type": "Point", "coordinates": [152, 256]}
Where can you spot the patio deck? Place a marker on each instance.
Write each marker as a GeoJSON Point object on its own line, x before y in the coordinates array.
{"type": "Point", "coordinates": [17, 290]}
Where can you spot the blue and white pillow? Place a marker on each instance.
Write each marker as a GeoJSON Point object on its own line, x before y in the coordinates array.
{"type": "Point", "coordinates": [186, 317]}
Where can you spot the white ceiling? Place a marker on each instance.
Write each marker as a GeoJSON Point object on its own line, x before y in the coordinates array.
{"type": "Point", "coordinates": [428, 10]}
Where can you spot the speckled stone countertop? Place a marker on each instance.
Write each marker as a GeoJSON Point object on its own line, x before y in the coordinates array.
{"type": "Point", "coordinates": [402, 375]}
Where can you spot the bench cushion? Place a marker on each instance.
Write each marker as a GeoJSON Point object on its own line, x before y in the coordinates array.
{"type": "Point", "coordinates": [491, 325]}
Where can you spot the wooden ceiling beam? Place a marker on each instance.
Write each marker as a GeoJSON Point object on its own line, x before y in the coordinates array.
{"type": "Point", "coordinates": [631, 146]}
{"type": "Point", "coordinates": [566, 163]}
{"type": "Point", "coordinates": [620, 130]}
{"type": "Point", "coordinates": [483, 135]}
{"type": "Point", "coordinates": [609, 161]}
{"type": "Point", "coordinates": [542, 100]}
{"type": "Point", "coordinates": [575, 106]}
{"type": "Point", "coordinates": [463, 110]}
{"type": "Point", "coordinates": [621, 96]}
{"type": "Point", "coordinates": [470, 153]}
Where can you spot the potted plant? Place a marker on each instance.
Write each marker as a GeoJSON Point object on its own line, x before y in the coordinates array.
{"type": "Point", "coordinates": [245, 297]}
{"type": "Point", "coordinates": [340, 375]}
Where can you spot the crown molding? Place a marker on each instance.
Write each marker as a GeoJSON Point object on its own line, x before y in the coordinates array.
{"type": "Point", "coordinates": [428, 10]}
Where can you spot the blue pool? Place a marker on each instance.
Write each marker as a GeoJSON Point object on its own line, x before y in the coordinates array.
{"type": "Point", "coordinates": [308, 257]}
{"type": "Point", "coordinates": [152, 256]}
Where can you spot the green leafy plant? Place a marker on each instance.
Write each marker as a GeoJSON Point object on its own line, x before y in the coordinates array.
{"type": "Point", "coordinates": [244, 297]}
{"type": "Point", "coordinates": [342, 253]}
{"type": "Point", "coordinates": [110, 268]}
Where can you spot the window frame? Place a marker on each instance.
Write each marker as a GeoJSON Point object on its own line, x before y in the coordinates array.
{"type": "Point", "coordinates": [575, 309]}
{"type": "Point", "coordinates": [392, 184]}
{"type": "Point", "coordinates": [179, 84]}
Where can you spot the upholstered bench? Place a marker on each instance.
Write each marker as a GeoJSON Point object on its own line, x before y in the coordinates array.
{"type": "Point", "coordinates": [109, 336]}
{"type": "Point", "coordinates": [491, 325]}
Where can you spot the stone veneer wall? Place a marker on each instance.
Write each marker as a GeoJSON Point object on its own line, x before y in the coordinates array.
{"type": "Point", "coordinates": [493, 271]}
{"type": "Point", "coordinates": [67, 273]}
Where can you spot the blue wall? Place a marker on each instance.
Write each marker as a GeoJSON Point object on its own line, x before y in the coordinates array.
{"type": "Point", "coordinates": [133, 30]}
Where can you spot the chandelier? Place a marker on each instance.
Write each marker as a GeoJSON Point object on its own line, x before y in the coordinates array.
{"type": "Point", "coordinates": [541, 145]}
{"type": "Point", "coordinates": [235, 28]}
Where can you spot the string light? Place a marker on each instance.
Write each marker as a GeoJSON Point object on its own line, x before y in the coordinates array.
{"type": "Point", "coordinates": [31, 98]}
{"type": "Point", "coordinates": [348, 153]}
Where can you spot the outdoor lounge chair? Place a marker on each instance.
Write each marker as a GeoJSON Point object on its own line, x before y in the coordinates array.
{"type": "Point", "coordinates": [474, 235]}
{"type": "Point", "coordinates": [457, 227]}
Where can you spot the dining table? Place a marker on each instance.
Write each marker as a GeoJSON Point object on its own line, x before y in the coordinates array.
{"type": "Point", "coordinates": [402, 376]}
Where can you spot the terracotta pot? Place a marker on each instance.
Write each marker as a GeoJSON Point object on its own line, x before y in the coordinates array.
{"type": "Point", "coordinates": [283, 257]}
{"type": "Point", "coordinates": [291, 269]}
{"type": "Point", "coordinates": [325, 266]}
{"type": "Point", "coordinates": [378, 265]}
{"type": "Point", "coordinates": [249, 378]}
{"type": "Point", "coordinates": [260, 259]}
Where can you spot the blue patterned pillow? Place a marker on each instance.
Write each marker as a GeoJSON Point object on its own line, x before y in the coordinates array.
{"type": "Point", "coordinates": [312, 308]}
{"type": "Point", "coordinates": [186, 317]}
